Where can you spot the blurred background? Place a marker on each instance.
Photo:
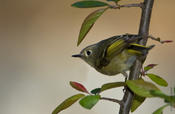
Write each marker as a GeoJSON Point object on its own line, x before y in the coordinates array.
{"type": "Point", "coordinates": [38, 37]}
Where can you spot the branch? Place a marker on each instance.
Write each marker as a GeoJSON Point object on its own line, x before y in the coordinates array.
{"type": "Point", "coordinates": [117, 6]}
{"type": "Point", "coordinates": [135, 70]}
{"type": "Point", "coordinates": [113, 100]}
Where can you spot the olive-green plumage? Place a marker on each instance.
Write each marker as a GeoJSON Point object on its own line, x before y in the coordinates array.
{"type": "Point", "coordinates": [114, 55]}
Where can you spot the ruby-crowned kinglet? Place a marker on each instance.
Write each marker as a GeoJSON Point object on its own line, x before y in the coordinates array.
{"type": "Point", "coordinates": [114, 55]}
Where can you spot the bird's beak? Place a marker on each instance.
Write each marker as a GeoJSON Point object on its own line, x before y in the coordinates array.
{"type": "Point", "coordinates": [77, 55]}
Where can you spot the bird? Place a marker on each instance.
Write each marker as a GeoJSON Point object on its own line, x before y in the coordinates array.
{"type": "Point", "coordinates": [114, 55]}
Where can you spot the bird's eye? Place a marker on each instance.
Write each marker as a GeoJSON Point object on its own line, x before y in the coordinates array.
{"type": "Point", "coordinates": [89, 52]}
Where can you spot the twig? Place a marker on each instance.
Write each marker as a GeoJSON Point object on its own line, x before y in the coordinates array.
{"type": "Point", "coordinates": [159, 40]}
{"type": "Point", "coordinates": [117, 6]}
{"type": "Point", "coordinates": [153, 38]}
{"type": "Point", "coordinates": [111, 99]}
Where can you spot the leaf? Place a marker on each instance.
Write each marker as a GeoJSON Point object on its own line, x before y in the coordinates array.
{"type": "Point", "coordinates": [158, 94]}
{"type": "Point", "coordinates": [89, 101]}
{"type": "Point", "coordinates": [78, 86]}
{"type": "Point", "coordinates": [112, 85]}
{"type": "Point", "coordinates": [96, 91]}
{"type": "Point", "coordinates": [169, 99]}
{"type": "Point", "coordinates": [67, 103]}
{"type": "Point", "coordinates": [157, 79]}
{"type": "Point", "coordinates": [114, 0]}
{"type": "Point", "coordinates": [137, 101]}
{"type": "Point", "coordinates": [89, 4]}
{"type": "Point", "coordinates": [141, 87]}
{"type": "Point", "coordinates": [150, 66]}
{"type": "Point", "coordinates": [166, 41]}
{"type": "Point", "coordinates": [160, 110]}
{"type": "Point", "coordinates": [88, 23]}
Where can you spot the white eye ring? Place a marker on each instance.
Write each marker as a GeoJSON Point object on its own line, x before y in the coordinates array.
{"type": "Point", "coordinates": [88, 52]}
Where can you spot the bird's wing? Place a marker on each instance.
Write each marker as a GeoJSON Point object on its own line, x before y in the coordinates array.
{"type": "Point", "coordinates": [113, 46]}
{"type": "Point", "coordinates": [121, 43]}
{"type": "Point", "coordinates": [116, 48]}
{"type": "Point", "coordinates": [102, 50]}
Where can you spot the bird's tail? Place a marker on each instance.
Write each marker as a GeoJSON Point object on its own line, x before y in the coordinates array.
{"type": "Point", "coordinates": [139, 49]}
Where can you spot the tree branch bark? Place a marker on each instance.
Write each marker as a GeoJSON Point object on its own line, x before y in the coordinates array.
{"type": "Point", "coordinates": [135, 70]}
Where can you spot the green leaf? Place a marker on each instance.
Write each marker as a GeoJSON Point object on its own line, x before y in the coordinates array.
{"type": "Point", "coordinates": [112, 85]}
{"type": "Point", "coordinates": [96, 91]}
{"type": "Point", "coordinates": [89, 4]}
{"type": "Point", "coordinates": [141, 87]}
{"type": "Point", "coordinates": [157, 79]}
{"type": "Point", "coordinates": [148, 67]}
{"type": "Point", "coordinates": [114, 0]}
{"type": "Point", "coordinates": [169, 99]}
{"type": "Point", "coordinates": [88, 23]}
{"type": "Point", "coordinates": [78, 86]}
{"type": "Point", "coordinates": [158, 94]}
{"type": "Point", "coordinates": [89, 101]}
{"type": "Point", "coordinates": [137, 101]}
{"type": "Point", "coordinates": [67, 103]}
{"type": "Point", "coordinates": [160, 110]}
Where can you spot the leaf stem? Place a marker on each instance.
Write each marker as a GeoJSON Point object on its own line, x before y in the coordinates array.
{"type": "Point", "coordinates": [111, 99]}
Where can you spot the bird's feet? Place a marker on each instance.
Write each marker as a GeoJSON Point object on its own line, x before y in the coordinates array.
{"type": "Point", "coordinates": [125, 75]}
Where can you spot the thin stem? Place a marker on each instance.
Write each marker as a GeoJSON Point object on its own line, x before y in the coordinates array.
{"type": "Point", "coordinates": [156, 39]}
{"type": "Point", "coordinates": [159, 40]}
{"type": "Point", "coordinates": [117, 6]}
{"type": "Point", "coordinates": [111, 99]}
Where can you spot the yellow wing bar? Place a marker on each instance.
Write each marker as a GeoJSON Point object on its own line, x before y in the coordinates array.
{"type": "Point", "coordinates": [116, 47]}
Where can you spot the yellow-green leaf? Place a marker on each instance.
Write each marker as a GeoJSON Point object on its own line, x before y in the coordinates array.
{"type": "Point", "coordinates": [160, 110]}
{"type": "Point", "coordinates": [67, 103]}
{"type": "Point", "coordinates": [89, 4]}
{"type": "Point", "coordinates": [137, 101]}
{"type": "Point", "coordinates": [112, 85]}
{"type": "Point", "coordinates": [141, 87]}
{"type": "Point", "coordinates": [88, 23]}
{"type": "Point", "coordinates": [89, 101]}
{"type": "Point", "coordinates": [157, 79]}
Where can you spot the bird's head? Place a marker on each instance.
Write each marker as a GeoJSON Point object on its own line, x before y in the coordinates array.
{"type": "Point", "coordinates": [90, 55]}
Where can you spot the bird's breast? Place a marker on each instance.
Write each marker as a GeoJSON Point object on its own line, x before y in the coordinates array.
{"type": "Point", "coordinates": [118, 64]}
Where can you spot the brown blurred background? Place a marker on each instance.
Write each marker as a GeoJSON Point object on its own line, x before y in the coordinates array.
{"type": "Point", "coordinates": [38, 37]}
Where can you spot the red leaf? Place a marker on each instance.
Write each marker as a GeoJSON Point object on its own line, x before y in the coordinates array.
{"type": "Point", "coordinates": [150, 66]}
{"type": "Point", "coordinates": [78, 87]}
{"type": "Point", "coordinates": [167, 41]}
